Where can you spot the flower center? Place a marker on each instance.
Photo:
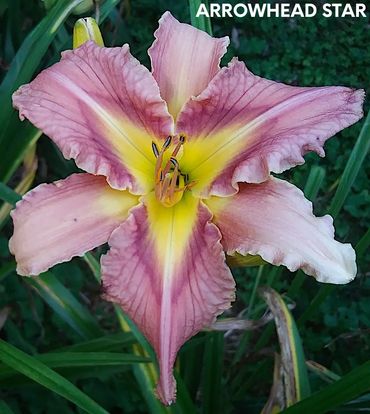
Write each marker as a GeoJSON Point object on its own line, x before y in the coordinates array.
{"type": "Point", "coordinates": [170, 182]}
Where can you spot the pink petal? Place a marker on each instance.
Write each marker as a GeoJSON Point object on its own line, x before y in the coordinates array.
{"type": "Point", "coordinates": [102, 108]}
{"type": "Point", "coordinates": [274, 220]}
{"type": "Point", "coordinates": [54, 222]}
{"type": "Point", "coordinates": [184, 60]}
{"type": "Point", "coordinates": [243, 126]}
{"type": "Point", "coordinates": [166, 268]}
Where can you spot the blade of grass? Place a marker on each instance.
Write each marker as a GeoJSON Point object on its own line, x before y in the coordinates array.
{"type": "Point", "coordinates": [78, 360]}
{"type": "Point", "coordinates": [8, 195]}
{"type": "Point", "coordinates": [212, 374]}
{"type": "Point", "coordinates": [295, 374]}
{"type": "Point", "coordinates": [22, 68]}
{"type": "Point", "coordinates": [316, 302]}
{"type": "Point", "coordinates": [6, 269]}
{"type": "Point", "coordinates": [93, 265]}
{"type": "Point", "coordinates": [322, 372]}
{"type": "Point", "coordinates": [245, 338]}
{"type": "Point", "coordinates": [113, 342]}
{"type": "Point", "coordinates": [59, 298]}
{"type": "Point", "coordinates": [352, 168]}
{"type": "Point", "coordinates": [30, 54]}
{"type": "Point", "coordinates": [363, 244]}
{"type": "Point", "coordinates": [191, 356]}
{"type": "Point", "coordinates": [46, 377]}
{"type": "Point", "coordinates": [314, 182]}
{"type": "Point", "coordinates": [29, 168]}
{"type": "Point", "coordinates": [14, 151]}
{"type": "Point", "coordinates": [346, 389]}
{"type": "Point", "coordinates": [64, 303]}
{"type": "Point", "coordinates": [253, 296]}
{"type": "Point", "coordinates": [202, 22]}
{"type": "Point", "coordinates": [275, 402]}
{"type": "Point", "coordinates": [4, 408]}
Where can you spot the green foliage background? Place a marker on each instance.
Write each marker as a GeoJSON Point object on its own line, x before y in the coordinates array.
{"type": "Point", "coordinates": [222, 375]}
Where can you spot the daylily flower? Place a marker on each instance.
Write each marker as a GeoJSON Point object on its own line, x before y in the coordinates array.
{"type": "Point", "coordinates": [179, 164]}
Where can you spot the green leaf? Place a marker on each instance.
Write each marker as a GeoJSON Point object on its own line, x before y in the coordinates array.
{"type": "Point", "coordinates": [201, 22]}
{"type": "Point", "coordinates": [347, 388]}
{"type": "Point", "coordinates": [8, 195]}
{"type": "Point", "coordinates": [43, 375]}
{"type": "Point", "coordinates": [276, 397]}
{"type": "Point", "coordinates": [212, 374]}
{"type": "Point", "coordinates": [4, 408]}
{"type": "Point", "coordinates": [6, 269]}
{"type": "Point", "coordinates": [113, 342]}
{"type": "Point", "coordinates": [21, 70]}
{"type": "Point", "coordinates": [316, 302]}
{"type": "Point", "coordinates": [94, 265]}
{"type": "Point", "coordinates": [64, 303]}
{"type": "Point", "coordinates": [60, 299]}
{"type": "Point", "coordinates": [14, 151]}
{"type": "Point", "coordinates": [352, 168]}
{"type": "Point", "coordinates": [314, 182]}
{"type": "Point", "coordinates": [322, 372]}
{"type": "Point", "coordinates": [363, 244]}
{"type": "Point", "coordinates": [295, 374]}
{"type": "Point", "coordinates": [78, 360]}
{"type": "Point", "coordinates": [31, 52]}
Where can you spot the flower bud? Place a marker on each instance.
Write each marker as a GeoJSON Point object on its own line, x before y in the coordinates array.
{"type": "Point", "coordinates": [86, 29]}
{"type": "Point", "coordinates": [83, 7]}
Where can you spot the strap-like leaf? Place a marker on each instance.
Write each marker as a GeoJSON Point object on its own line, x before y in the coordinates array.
{"type": "Point", "coordinates": [346, 389]}
{"type": "Point", "coordinates": [201, 22]}
{"type": "Point", "coordinates": [296, 385]}
{"type": "Point", "coordinates": [65, 304]}
{"type": "Point", "coordinates": [77, 360]}
{"type": "Point", "coordinates": [45, 376]}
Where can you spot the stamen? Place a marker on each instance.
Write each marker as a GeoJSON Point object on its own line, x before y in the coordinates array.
{"type": "Point", "coordinates": [167, 143]}
{"type": "Point", "coordinates": [164, 186]}
{"type": "Point", "coordinates": [159, 156]}
{"type": "Point", "coordinates": [172, 187]}
{"type": "Point", "coordinates": [170, 182]}
{"type": "Point", "coordinates": [155, 150]}
{"type": "Point", "coordinates": [174, 162]}
{"type": "Point", "coordinates": [173, 155]}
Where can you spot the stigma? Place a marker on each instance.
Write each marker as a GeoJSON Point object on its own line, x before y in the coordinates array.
{"type": "Point", "coordinates": [170, 182]}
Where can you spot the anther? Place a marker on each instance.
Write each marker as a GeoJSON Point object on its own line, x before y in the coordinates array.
{"type": "Point", "coordinates": [182, 139]}
{"type": "Point", "coordinates": [155, 149]}
{"type": "Point", "coordinates": [167, 143]}
{"type": "Point", "coordinates": [174, 162]}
